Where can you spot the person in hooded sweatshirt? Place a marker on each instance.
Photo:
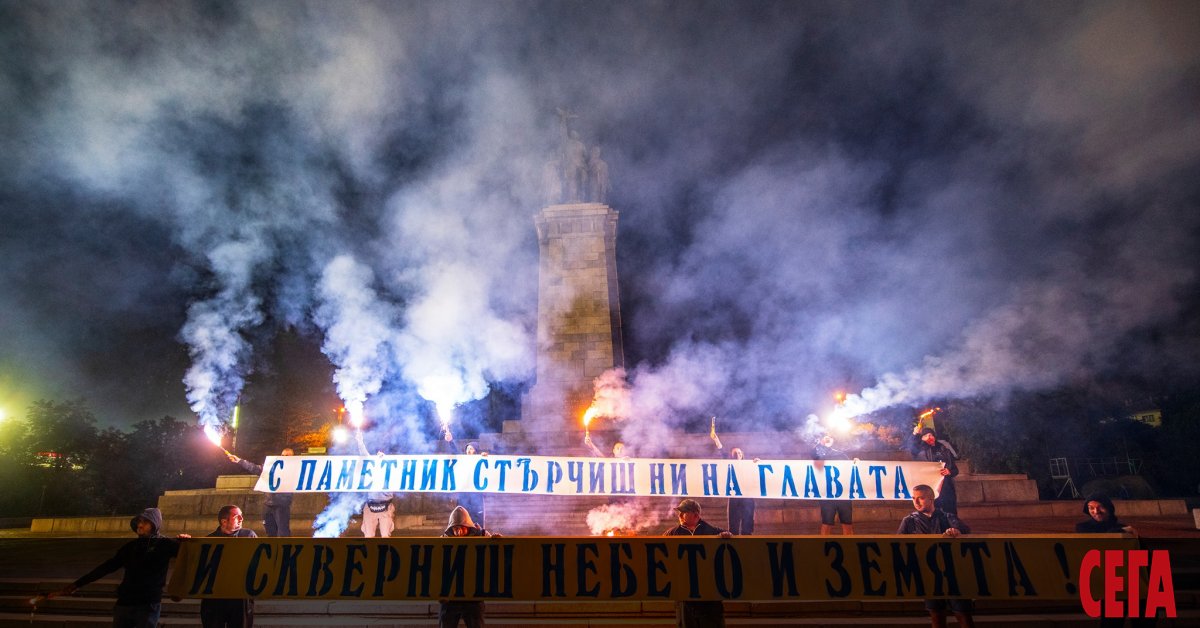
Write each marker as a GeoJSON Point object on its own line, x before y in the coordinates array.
{"type": "Point", "coordinates": [145, 559]}
{"type": "Point", "coordinates": [1102, 518]}
{"type": "Point", "coordinates": [228, 613]}
{"type": "Point", "coordinates": [470, 612]}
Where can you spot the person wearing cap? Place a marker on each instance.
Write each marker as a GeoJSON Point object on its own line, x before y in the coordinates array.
{"type": "Point", "coordinates": [229, 612]}
{"type": "Point", "coordinates": [930, 449]}
{"type": "Point", "coordinates": [145, 559]}
{"type": "Point", "coordinates": [708, 614]}
{"type": "Point", "coordinates": [469, 612]}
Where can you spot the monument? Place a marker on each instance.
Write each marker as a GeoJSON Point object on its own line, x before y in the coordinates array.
{"type": "Point", "coordinates": [579, 308]}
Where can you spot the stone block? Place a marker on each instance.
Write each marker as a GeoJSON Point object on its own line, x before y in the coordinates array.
{"type": "Point", "coordinates": [235, 482]}
{"type": "Point", "coordinates": [1172, 507]}
{"type": "Point", "coordinates": [1066, 508]}
{"type": "Point", "coordinates": [1196, 517]}
{"type": "Point", "coordinates": [969, 491]}
{"type": "Point", "coordinates": [1010, 491]}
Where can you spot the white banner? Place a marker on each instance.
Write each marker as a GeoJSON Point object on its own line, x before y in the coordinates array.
{"type": "Point", "coordinates": [865, 480]}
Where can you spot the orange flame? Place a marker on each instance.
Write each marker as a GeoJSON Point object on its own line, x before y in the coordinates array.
{"type": "Point", "coordinates": [928, 413]}
{"type": "Point", "coordinates": [589, 415]}
{"type": "Point", "coordinates": [213, 435]}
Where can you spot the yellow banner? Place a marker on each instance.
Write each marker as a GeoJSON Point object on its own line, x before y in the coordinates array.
{"type": "Point", "coordinates": [638, 568]}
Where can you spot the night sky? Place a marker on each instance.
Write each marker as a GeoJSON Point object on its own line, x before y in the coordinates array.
{"type": "Point", "coordinates": [913, 200]}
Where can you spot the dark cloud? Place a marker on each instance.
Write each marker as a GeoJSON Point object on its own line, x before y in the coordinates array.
{"type": "Point", "coordinates": [917, 199]}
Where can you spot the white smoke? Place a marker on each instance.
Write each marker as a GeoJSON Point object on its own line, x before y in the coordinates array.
{"type": "Point", "coordinates": [358, 328]}
{"type": "Point", "coordinates": [214, 331]}
{"type": "Point", "coordinates": [630, 516]}
{"type": "Point", "coordinates": [610, 396]}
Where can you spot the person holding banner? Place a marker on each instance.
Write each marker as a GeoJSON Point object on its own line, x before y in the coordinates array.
{"type": "Point", "coordinates": [833, 509]}
{"type": "Point", "coordinates": [378, 512]}
{"type": "Point", "coordinates": [697, 614]}
{"type": "Point", "coordinates": [469, 612]}
{"type": "Point", "coordinates": [145, 560]}
{"type": "Point", "coordinates": [741, 509]}
{"type": "Point", "coordinates": [928, 519]}
{"type": "Point", "coordinates": [277, 513]}
{"type": "Point", "coordinates": [473, 502]}
{"type": "Point", "coordinates": [930, 449]}
{"type": "Point", "coordinates": [228, 613]}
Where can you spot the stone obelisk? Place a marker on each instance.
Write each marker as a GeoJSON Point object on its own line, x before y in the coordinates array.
{"type": "Point", "coordinates": [579, 308]}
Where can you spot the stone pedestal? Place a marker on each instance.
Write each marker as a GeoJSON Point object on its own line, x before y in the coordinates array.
{"type": "Point", "coordinates": [579, 313]}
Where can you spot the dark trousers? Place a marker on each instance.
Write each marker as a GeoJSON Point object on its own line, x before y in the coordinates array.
{"type": "Point", "coordinates": [471, 613]}
{"type": "Point", "coordinates": [700, 615]}
{"type": "Point", "coordinates": [741, 516]}
{"type": "Point", "coordinates": [136, 615]}
{"type": "Point", "coordinates": [227, 613]}
{"type": "Point", "coordinates": [947, 500]}
{"type": "Point", "coordinates": [278, 520]}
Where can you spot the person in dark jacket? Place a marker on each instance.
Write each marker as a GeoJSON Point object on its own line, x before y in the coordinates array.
{"type": "Point", "coordinates": [473, 502]}
{"type": "Point", "coordinates": [697, 614]}
{"type": "Point", "coordinates": [741, 509]}
{"type": "Point", "coordinates": [928, 519]}
{"type": "Point", "coordinates": [450, 612]}
{"type": "Point", "coordinates": [930, 449]}
{"type": "Point", "coordinates": [1102, 518]}
{"type": "Point", "coordinates": [219, 613]}
{"type": "Point", "coordinates": [277, 512]}
{"type": "Point", "coordinates": [833, 509]}
{"type": "Point", "coordinates": [145, 559]}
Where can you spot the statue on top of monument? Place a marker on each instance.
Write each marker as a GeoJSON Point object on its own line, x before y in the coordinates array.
{"type": "Point", "coordinates": [577, 175]}
{"type": "Point", "coordinates": [598, 179]}
{"type": "Point", "coordinates": [552, 182]}
{"type": "Point", "coordinates": [575, 167]}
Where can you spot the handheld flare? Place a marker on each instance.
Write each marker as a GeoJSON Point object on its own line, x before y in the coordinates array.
{"type": "Point", "coordinates": [712, 433]}
{"type": "Point", "coordinates": [587, 420]}
{"type": "Point", "coordinates": [215, 437]}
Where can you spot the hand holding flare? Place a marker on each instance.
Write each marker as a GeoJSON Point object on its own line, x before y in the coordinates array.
{"type": "Point", "coordinates": [712, 433]}
{"type": "Point", "coordinates": [215, 436]}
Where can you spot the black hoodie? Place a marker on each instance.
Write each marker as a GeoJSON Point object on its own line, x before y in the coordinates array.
{"type": "Point", "coordinates": [1111, 525]}
{"type": "Point", "coordinates": [145, 560]}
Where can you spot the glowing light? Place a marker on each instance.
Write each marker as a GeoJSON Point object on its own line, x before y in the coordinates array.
{"type": "Point", "coordinates": [839, 397]}
{"type": "Point", "coordinates": [589, 415]}
{"type": "Point", "coordinates": [839, 422]}
{"type": "Point", "coordinates": [213, 434]}
{"type": "Point", "coordinates": [356, 412]}
{"type": "Point", "coordinates": [444, 392]}
{"type": "Point", "coordinates": [340, 434]}
{"type": "Point", "coordinates": [3, 414]}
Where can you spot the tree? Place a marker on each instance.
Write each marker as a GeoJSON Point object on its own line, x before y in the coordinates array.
{"type": "Point", "coordinates": [67, 429]}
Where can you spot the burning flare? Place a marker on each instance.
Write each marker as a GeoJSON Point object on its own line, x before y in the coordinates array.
{"type": "Point", "coordinates": [214, 435]}
{"type": "Point", "coordinates": [712, 433]}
